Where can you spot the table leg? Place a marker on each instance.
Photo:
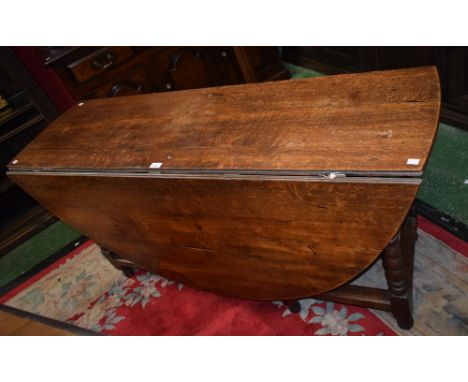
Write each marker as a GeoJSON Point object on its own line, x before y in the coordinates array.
{"type": "Point", "coordinates": [398, 259]}
{"type": "Point", "coordinates": [293, 305]}
{"type": "Point", "coordinates": [398, 262]}
{"type": "Point", "coordinates": [117, 262]}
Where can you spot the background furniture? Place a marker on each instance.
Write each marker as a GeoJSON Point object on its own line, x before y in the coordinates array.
{"type": "Point", "coordinates": [451, 63]}
{"type": "Point", "coordinates": [97, 72]}
{"type": "Point", "coordinates": [26, 113]}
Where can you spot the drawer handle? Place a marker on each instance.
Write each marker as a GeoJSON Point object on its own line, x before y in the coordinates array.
{"type": "Point", "coordinates": [117, 88]}
{"type": "Point", "coordinates": [99, 65]}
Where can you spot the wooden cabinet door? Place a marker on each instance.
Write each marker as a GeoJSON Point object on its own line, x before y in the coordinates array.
{"type": "Point", "coordinates": [260, 63]}
{"type": "Point", "coordinates": [181, 68]}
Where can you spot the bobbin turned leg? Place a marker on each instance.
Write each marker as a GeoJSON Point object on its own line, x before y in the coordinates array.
{"type": "Point", "coordinates": [398, 258]}
{"type": "Point", "coordinates": [117, 262]}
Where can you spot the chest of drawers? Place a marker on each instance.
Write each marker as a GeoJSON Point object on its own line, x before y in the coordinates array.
{"type": "Point", "coordinates": [99, 72]}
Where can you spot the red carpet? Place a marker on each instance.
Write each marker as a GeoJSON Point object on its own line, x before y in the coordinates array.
{"type": "Point", "coordinates": [148, 304]}
{"type": "Point", "coordinates": [84, 289]}
{"type": "Point", "coordinates": [150, 308]}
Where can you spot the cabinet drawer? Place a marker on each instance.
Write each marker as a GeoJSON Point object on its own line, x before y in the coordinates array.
{"type": "Point", "coordinates": [99, 62]}
{"type": "Point", "coordinates": [180, 68]}
{"type": "Point", "coordinates": [126, 81]}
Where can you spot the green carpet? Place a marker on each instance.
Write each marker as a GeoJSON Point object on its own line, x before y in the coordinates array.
{"type": "Point", "coordinates": [445, 175]}
{"type": "Point", "coordinates": [443, 186]}
{"type": "Point", "coordinates": [300, 72]}
{"type": "Point", "coordinates": [35, 250]}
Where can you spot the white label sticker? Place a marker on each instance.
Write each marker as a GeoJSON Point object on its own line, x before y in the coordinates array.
{"type": "Point", "coordinates": [155, 165]}
{"type": "Point", "coordinates": [412, 161]}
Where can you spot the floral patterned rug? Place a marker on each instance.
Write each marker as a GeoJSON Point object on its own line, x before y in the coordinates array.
{"type": "Point", "coordinates": [85, 290]}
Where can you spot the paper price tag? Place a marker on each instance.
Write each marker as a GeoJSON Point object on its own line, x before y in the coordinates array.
{"type": "Point", "coordinates": [155, 165]}
{"type": "Point", "coordinates": [412, 161]}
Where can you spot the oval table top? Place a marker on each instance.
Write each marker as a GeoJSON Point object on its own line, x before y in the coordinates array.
{"type": "Point", "coordinates": [369, 122]}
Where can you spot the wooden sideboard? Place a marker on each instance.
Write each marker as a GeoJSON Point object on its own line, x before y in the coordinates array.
{"type": "Point", "coordinates": [451, 62]}
{"type": "Point", "coordinates": [98, 72]}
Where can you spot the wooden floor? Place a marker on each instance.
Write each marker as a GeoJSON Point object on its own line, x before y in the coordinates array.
{"type": "Point", "coordinates": [14, 322]}
{"type": "Point", "coordinates": [13, 325]}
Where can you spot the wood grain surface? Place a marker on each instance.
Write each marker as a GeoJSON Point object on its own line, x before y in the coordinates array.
{"type": "Point", "coordinates": [249, 237]}
{"type": "Point", "coordinates": [13, 325]}
{"type": "Point", "coordinates": [17, 322]}
{"type": "Point", "coordinates": [355, 122]}
{"type": "Point", "coordinates": [237, 206]}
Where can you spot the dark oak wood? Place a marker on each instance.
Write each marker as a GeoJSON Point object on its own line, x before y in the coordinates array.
{"type": "Point", "coordinates": [451, 63]}
{"type": "Point", "coordinates": [130, 80]}
{"type": "Point", "coordinates": [258, 65]}
{"type": "Point", "coordinates": [369, 297]}
{"type": "Point", "coordinates": [398, 258]}
{"type": "Point", "coordinates": [368, 122]}
{"type": "Point", "coordinates": [97, 62]}
{"type": "Point", "coordinates": [242, 201]}
{"type": "Point", "coordinates": [247, 236]}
